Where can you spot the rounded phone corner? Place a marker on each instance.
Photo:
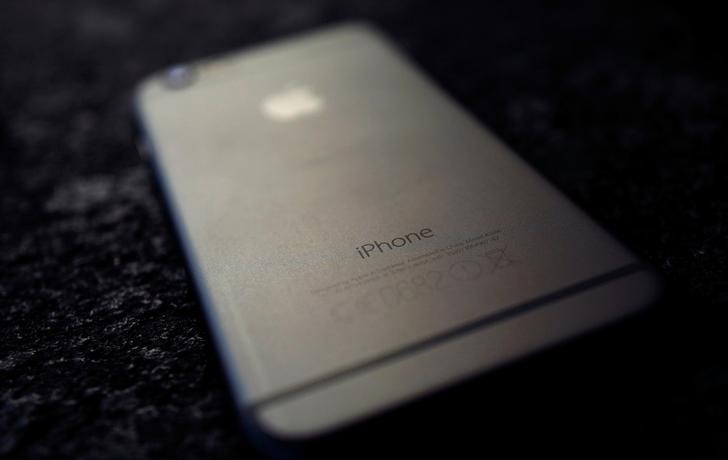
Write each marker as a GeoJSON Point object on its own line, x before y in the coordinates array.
{"type": "Point", "coordinates": [275, 436]}
{"type": "Point", "coordinates": [152, 86]}
{"type": "Point", "coordinates": [143, 88]}
{"type": "Point", "coordinates": [277, 424]}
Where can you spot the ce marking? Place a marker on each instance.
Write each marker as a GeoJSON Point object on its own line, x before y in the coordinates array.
{"type": "Point", "coordinates": [498, 258]}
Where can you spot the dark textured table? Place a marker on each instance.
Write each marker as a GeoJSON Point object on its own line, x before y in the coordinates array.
{"type": "Point", "coordinates": [103, 350]}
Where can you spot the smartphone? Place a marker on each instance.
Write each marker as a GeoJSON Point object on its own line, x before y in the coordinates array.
{"type": "Point", "coordinates": [357, 239]}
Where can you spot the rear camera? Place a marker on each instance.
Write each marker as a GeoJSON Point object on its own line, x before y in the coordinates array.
{"type": "Point", "coordinates": [179, 77]}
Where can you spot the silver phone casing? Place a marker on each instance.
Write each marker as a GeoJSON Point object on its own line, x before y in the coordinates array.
{"type": "Point", "coordinates": [279, 163]}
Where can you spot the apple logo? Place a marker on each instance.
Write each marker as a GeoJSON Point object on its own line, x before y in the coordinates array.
{"type": "Point", "coordinates": [291, 103]}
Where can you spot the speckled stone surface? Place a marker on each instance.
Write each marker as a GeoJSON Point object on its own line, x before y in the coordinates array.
{"type": "Point", "coordinates": [103, 349]}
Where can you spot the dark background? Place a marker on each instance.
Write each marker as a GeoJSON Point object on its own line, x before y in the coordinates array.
{"type": "Point", "coordinates": [103, 350]}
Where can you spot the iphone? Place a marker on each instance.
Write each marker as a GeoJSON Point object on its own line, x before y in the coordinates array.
{"type": "Point", "coordinates": [357, 239]}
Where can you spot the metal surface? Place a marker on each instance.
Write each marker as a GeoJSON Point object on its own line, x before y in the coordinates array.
{"type": "Point", "coordinates": [342, 216]}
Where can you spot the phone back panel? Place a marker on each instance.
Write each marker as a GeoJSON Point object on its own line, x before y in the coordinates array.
{"type": "Point", "coordinates": [358, 239]}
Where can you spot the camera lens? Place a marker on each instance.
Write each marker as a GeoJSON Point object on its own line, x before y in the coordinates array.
{"type": "Point", "coordinates": [179, 77]}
